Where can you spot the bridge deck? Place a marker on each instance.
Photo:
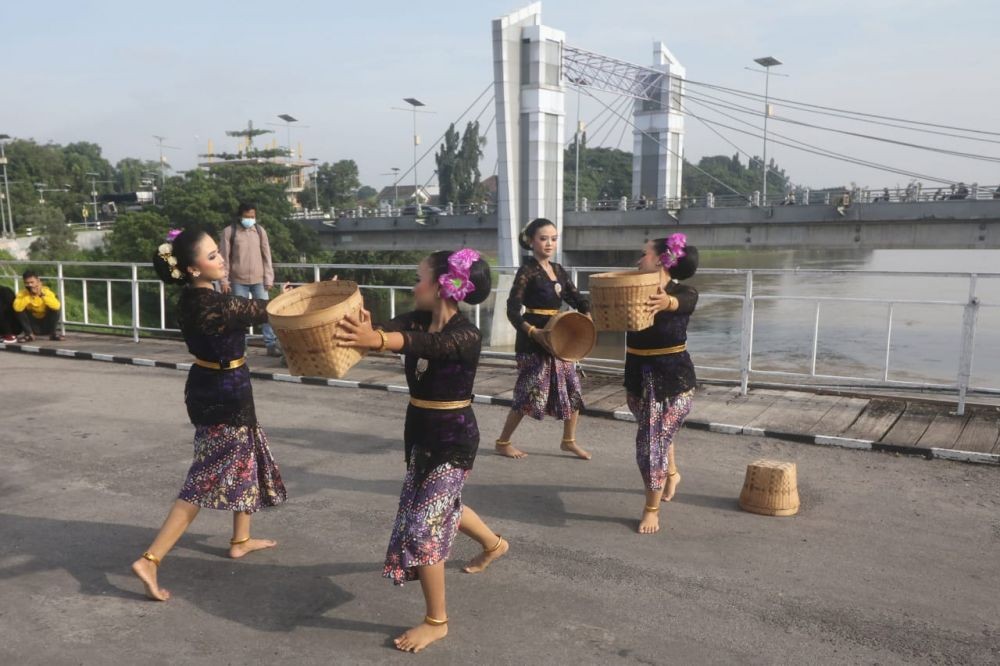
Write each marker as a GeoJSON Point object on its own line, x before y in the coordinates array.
{"type": "Point", "coordinates": [889, 423]}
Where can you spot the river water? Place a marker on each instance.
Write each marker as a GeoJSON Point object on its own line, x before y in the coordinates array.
{"type": "Point", "coordinates": [926, 339]}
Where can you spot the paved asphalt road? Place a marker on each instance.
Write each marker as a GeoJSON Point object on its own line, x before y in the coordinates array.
{"type": "Point", "coordinates": [892, 560]}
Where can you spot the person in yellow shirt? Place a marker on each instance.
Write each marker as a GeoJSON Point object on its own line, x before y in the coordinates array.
{"type": "Point", "coordinates": [37, 309]}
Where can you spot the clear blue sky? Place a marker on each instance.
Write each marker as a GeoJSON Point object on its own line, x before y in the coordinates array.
{"type": "Point", "coordinates": [118, 72]}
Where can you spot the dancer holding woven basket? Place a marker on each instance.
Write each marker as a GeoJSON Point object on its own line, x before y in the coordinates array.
{"type": "Point", "coordinates": [659, 374]}
{"type": "Point", "coordinates": [545, 385]}
{"type": "Point", "coordinates": [441, 348]}
{"type": "Point", "coordinates": [233, 469]}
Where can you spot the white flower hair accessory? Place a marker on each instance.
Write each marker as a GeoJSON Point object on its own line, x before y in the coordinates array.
{"type": "Point", "coordinates": [166, 252]}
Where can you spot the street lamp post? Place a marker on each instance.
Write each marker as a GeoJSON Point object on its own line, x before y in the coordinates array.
{"type": "Point", "coordinates": [767, 63]}
{"type": "Point", "coordinates": [315, 161]}
{"type": "Point", "coordinates": [415, 103]}
{"type": "Point", "coordinates": [93, 191]}
{"type": "Point", "coordinates": [579, 82]}
{"type": "Point", "coordinates": [395, 187]}
{"type": "Point", "coordinates": [6, 185]}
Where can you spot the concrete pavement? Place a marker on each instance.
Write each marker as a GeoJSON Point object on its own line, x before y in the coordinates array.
{"type": "Point", "coordinates": [891, 560]}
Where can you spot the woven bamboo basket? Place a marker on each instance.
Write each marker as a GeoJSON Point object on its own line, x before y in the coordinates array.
{"type": "Point", "coordinates": [618, 300]}
{"type": "Point", "coordinates": [305, 321]}
{"type": "Point", "coordinates": [570, 336]}
{"type": "Point", "coordinates": [770, 488]}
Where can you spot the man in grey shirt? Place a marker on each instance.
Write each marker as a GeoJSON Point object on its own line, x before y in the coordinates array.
{"type": "Point", "coordinates": [247, 253]}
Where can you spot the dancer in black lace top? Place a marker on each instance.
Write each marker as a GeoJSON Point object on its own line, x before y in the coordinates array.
{"type": "Point", "coordinates": [659, 374]}
{"type": "Point", "coordinates": [233, 469]}
{"type": "Point", "coordinates": [545, 384]}
{"type": "Point", "coordinates": [441, 349]}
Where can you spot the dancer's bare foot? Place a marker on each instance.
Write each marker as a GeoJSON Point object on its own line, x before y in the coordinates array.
{"type": "Point", "coordinates": [238, 550]}
{"type": "Point", "coordinates": [509, 450]}
{"type": "Point", "coordinates": [484, 559]}
{"type": "Point", "coordinates": [671, 489]}
{"type": "Point", "coordinates": [650, 521]}
{"type": "Point", "coordinates": [145, 570]}
{"type": "Point", "coordinates": [570, 445]}
{"type": "Point", "coordinates": [420, 636]}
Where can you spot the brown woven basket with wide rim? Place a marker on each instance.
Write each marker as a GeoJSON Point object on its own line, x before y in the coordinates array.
{"type": "Point", "coordinates": [305, 321]}
{"type": "Point", "coordinates": [770, 488]}
{"type": "Point", "coordinates": [570, 336]}
{"type": "Point", "coordinates": [618, 300]}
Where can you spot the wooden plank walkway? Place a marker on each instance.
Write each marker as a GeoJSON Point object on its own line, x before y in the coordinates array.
{"type": "Point", "coordinates": [891, 423]}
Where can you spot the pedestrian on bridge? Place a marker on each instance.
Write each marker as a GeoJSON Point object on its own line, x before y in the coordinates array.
{"type": "Point", "coordinates": [659, 373]}
{"type": "Point", "coordinates": [441, 348]}
{"type": "Point", "coordinates": [233, 469]}
{"type": "Point", "coordinates": [545, 385]}
{"type": "Point", "coordinates": [247, 253]}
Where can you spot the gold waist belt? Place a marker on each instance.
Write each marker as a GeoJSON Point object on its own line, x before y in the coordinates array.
{"type": "Point", "coordinates": [212, 365]}
{"type": "Point", "coordinates": [537, 311]}
{"type": "Point", "coordinates": [662, 351]}
{"type": "Point", "coordinates": [440, 404]}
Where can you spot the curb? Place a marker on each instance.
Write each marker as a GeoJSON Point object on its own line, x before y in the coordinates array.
{"type": "Point", "coordinates": [930, 453]}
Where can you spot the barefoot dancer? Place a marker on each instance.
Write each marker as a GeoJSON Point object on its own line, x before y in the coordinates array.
{"type": "Point", "coordinates": [233, 469]}
{"type": "Point", "coordinates": [545, 384]}
{"type": "Point", "coordinates": [442, 351]}
{"type": "Point", "coordinates": [659, 374]}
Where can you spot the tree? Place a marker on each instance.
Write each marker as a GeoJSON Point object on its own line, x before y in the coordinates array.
{"type": "Point", "coordinates": [447, 160]}
{"type": "Point", "coordinates": [56, 240]}
{"type": "Point", "coordinates": [338, 186]}
{"type": "Point", "coordinates": [697, 182]}
{"type": "Point", "coordinates": [458, 165]}
{"type": "Point", "coordinates": [605, 173]}
{"type": "Point", "coordinates": [210, 199]}
{"type": "Point", "coordinates": [136, 235]}
{"type": "Point", "coordinates": [468, 178]}
{"type": "Point", "coordinates": [130, 173]}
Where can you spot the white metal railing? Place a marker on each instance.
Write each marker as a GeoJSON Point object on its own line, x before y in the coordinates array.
{"type": "Point", "coordinates": [915, 193]}
{"type": "Point", "coordinates": [99, 292]}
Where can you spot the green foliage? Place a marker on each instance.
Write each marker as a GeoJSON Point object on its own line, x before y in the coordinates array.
{"type": "Point", "coordinates": [605, 173]}
{"type": "Point", "coordinates": [210, 199]}
{"type": "Point", "coordinates": [56, 240]}
{"type": "Point", "coordinates": [458, 165]}
{"type": "Point", "coordinates": [731, 171]}
{"type": "Point", "coordinates": [338, 186]}
{"type": "Point", "coordinates": [129, 174]}
{"type": "Point", "coordinates": [55, 167]}
{"type": "Point", "coordinates": [136, 236]}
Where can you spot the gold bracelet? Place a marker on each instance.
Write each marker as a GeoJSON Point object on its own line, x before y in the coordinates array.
{"type": "Point", "coordinates": [385, 340]}
{"type": "Point", "coordinates": [530, 330]}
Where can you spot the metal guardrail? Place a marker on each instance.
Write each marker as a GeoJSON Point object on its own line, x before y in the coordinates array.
{"type": "Point", "coordinates": [747, 297]}
{"type": "Point", "coordinates": [915, 193]}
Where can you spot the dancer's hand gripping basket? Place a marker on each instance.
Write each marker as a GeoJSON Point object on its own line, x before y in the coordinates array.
{"type": "Point", "coordinates": [305, 320]}
{"type": "Point", "coordinates": [619, 300]}
{"type": "Point", "coordinates": [569, 335]}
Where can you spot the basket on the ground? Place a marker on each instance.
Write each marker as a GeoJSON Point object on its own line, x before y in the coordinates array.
{"type": "Point", "coordinates": [618, 300]}
{"type": "Point", "coordinates": [770, 488]}
{"type": "Point", "coordinates": [305, 320]}
{"type": "Point", "coordinates": [570, 336]}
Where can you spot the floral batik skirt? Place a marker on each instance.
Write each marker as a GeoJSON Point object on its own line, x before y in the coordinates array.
{"type": "Point", "coordinates": [658, 423]}
{"type": "Point", "coordinates": [546, 385]}
{"type": "Point", "coordinates": [233, 470]}
{"type": "Point", "coordinates": [429, 513]}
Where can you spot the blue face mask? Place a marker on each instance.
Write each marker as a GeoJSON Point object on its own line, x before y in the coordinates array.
{"type": "Point", "coordinates": [248, 222]}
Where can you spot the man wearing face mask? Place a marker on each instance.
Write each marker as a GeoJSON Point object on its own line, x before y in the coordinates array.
{"type": "Point", "coordinates": [247, 252]}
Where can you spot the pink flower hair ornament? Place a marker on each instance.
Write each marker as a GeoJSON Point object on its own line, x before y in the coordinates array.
{"type": "Point", "coordinates": [675, 250]}
{"type": "Point", "coordinates": [172, 234]}
{"type": "Point", "coordinates": [456, 284]}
